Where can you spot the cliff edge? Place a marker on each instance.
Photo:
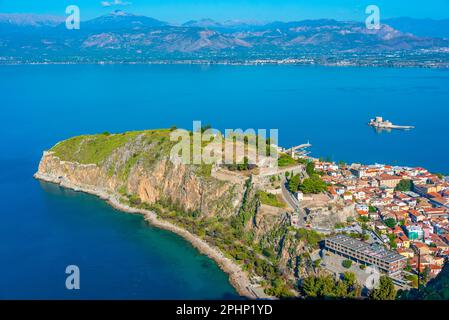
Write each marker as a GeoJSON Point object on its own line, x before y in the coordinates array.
{"type": "Point", "coordinates": [219, 212]}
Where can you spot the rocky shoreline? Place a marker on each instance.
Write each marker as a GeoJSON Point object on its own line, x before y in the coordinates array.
{"type": "Point", "coordinates": [238, 278]}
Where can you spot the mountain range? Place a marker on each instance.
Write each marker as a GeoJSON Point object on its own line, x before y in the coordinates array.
{"type": "Point", "coordinates": [122, 36]}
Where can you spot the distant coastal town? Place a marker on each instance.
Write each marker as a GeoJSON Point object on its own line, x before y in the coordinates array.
{"type": "Point", "coordinates": [392, 61]}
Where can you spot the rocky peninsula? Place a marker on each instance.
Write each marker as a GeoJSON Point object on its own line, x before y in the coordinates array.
{"type": "Point", "coordinates": [235, 214]}
{"type": "Point", "coordinates": [111, 167]}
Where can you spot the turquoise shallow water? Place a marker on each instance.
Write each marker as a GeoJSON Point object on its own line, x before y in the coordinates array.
{"type": "Point", "coordinates": [120, 256]}
{"type": "Point", "coordinates": [44, 228]}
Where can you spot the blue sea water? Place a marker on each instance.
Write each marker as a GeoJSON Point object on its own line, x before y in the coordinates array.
{"type": "Point", "coordinates": [44, 228]}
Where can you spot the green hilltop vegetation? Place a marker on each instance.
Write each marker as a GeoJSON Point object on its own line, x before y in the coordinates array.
{"type": "Point", "coordinates": [146, 147]}
{"type": "Point", "coordinates": [285, 160]}
{"type": "Point", "coordinates": [270, 199]}
{"type": "Point", "coordinates": [94, 149]}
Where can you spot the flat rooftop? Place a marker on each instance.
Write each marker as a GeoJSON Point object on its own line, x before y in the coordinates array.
{"type": "Point", "coordinates": [372, 250]}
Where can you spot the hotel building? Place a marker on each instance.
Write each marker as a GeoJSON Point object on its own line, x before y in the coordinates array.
{"type": "Point", "coordinates": [368, 254]}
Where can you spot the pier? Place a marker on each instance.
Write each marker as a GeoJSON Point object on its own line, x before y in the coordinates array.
{"type": "Point", "coordinates": [301, 147]}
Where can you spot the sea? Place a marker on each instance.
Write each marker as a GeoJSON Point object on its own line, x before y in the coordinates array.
{"type": "Point", "coordinates": [45, 228]}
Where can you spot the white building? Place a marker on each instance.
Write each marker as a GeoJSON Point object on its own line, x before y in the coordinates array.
{"type": "Point", "coordinates": [361, 207]}
{"type": "Point", "coordinates": [299, 196]}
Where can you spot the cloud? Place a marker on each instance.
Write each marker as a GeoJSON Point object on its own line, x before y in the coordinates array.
{"type": "Point", "coordinates": [115, 3]}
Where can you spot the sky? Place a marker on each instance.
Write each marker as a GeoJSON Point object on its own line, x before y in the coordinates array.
{"type": "Point", "coordinates": [249, 10]}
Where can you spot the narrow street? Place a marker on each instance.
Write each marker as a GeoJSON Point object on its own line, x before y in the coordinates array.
{"type": "Point", "coordinates": [293, 204]}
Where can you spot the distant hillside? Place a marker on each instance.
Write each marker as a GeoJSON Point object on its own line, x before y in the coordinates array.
{"type": "Point", "coordinates": [121, 21]}
{"type": "Point", "coordinates": [29, 20]}
{"type": "Point", "coordinates": [121, 36]}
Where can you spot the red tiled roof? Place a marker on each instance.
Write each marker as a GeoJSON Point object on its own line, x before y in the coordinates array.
{"type": "Point", "coordinates": [389, 177]}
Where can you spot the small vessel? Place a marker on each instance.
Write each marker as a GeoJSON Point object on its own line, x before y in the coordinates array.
{"type": "Point", "coordinates": [380, 123]}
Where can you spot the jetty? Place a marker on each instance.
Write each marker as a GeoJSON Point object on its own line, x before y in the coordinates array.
{"type": "Point", "coordinates": [298, 150]}
{"type": "Point", "coordinates": [380, 123]}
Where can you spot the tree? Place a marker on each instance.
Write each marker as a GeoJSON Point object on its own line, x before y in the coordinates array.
{"type": "Point", "coordinates": [349, 278]}
{"type": "Point", "coordinates": [408, 267]}
{"type": "Point", "coordinates": [243, 166]}
{"type": "Point", "coordinates": [310, 168]}
{"type": "Point", "coordinates": [404, 185]}
{"type": "Point", "coordinates": [347, 264]}
{"type": "Point", "coordinates": [327, 287]}
{"type": "Point", "coordinates": [311, 237]}
{"type": "Point", "coordinates": [385, 291]}
{"type": "Point", "coordinates": [390, 223]}
{"type": "Point", "coordinates": [391, 239]}
{"type": "Point", "coordinates": [310, 287]}
{"type": "Point", "coordinates": [279, 289]}
{"type": "Point", "coordinates": [294, 182]}
{"type": "Point", "coordinates": [285, 160]}
{"type": "Point", "coordinates": [341, 163]}
{"type": "Point", "coordinates": [413, 278]}
{"type": "Point", "coordinates": [134, 200]}
{"type": "Point", "coordinates": [426, 274]}
{"type": "Point", "coordinates": [393, 245]}
{"type": "Point", "coordinates": [339, 225]}
{"type": "Point", "coordinates": [313, 185]}
{"type": "Point", "coordinates": [341, 289]}
{"type": "Point", "coordinates": [363, 219]}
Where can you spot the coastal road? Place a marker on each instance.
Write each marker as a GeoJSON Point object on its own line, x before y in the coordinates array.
{"type": "Point", "coordinates": [289, 198]}
{"type": "Point", "coordinates": [293, 204]}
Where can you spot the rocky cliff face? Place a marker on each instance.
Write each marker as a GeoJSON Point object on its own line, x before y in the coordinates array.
{"type": "Point", "coordinates": [128, 171]}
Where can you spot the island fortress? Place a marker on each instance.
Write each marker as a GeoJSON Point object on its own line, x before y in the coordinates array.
{"type": "Point", "coordinates": [379, 122]}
